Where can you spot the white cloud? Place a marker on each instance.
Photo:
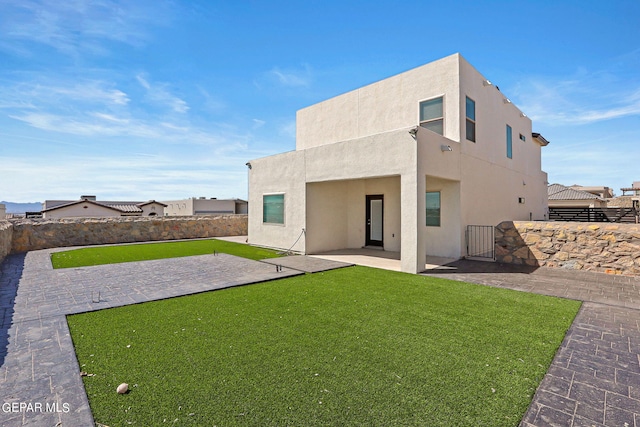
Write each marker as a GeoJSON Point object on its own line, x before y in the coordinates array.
{"type": "Point", "coordinates": [211, 103]}
{"type": "Point", "coordinates": [579, 100]}
{"type": "Point", "coordinates": [76, 27]}
{"type": "Point", "coordinates": [128, 176]}
{"type": "Point", "coordinates": [95, 108]}
{"type": "Point", "coordinates": [34, 94]}
{"type": "Point", "coordinates": [110, 118]}
{"type": "Point", "coordinates": [90, 124]}
{"type": "Point", "coordinates": [143, 82]}
{"type": "Point", "coordinates": [291, 77]}
{"type": "Point", "coordinates": [160, 95]}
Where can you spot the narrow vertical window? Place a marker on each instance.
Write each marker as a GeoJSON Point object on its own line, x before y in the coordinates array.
{"type": "Point", "coordinates": [432, 116]}
{"type": "Point", "coordinates": [433, 208]}
{"type": "Point", "coordinates": [273, 209]}
{"type": "Point", "coordinates": [471, 119]}
{"type": "Point", "coordinates": [509, 142]}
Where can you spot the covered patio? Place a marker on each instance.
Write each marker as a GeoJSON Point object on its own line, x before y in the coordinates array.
{"type": "Point", "coordinates": [376, 258]}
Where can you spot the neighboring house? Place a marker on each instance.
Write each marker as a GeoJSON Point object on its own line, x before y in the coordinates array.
{"type": "Point", "coordinates": [568, 197]}
{"type": "Point", "coordinates": [404, 164]}
{"type": "Point", "coordinates": [89, 207]}
{"type": "Point", "coordinates": [204, 206]}
{"type": "Point", "coordinates": [634, 189]}
{"type": "Point", "coordinates": [602, 192]}
{"type": "Point", "coordinates": [624, 202]}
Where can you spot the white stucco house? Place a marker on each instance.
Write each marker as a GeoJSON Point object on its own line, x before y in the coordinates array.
{"type": "Point", "coordinates": [403, 164]}
{"type": "Point", "coordinates": [205, 206]}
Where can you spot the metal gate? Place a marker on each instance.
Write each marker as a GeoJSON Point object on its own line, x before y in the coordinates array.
{"type": "Point", "coordinates": [480, 242]}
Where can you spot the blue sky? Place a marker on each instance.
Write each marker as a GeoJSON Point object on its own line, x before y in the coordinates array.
{"type": "Point", "coordinates": [139, 100]}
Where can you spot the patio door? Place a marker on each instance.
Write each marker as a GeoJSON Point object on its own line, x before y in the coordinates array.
{"type": "Point", "coordinates": [375, 214]}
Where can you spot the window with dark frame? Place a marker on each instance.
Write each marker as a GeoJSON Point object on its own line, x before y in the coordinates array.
{"type": "Point", "coordinates": [273, 209]}
{"type": "Point", "coordinates": [433, 208]}
{"type": "Point", "coordinates": [471, 119]}
{"type": "Point", "coordinates": [509, 142]}
{"type": "Point", "coordinates": [432, 116]}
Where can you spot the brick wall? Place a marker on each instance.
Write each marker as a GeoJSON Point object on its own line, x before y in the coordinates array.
{"type": "Point", "coordinates": [602, 247]}
{"type": "Point", "coordinates": [34, 234]}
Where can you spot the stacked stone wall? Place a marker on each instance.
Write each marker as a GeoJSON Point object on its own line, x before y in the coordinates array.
{"type": "Point", "coordinates": [6, 233]}
{"type": "Point", "coordinates": [34, 234]}
{"type": "Point", "coordinates": [602, 247]}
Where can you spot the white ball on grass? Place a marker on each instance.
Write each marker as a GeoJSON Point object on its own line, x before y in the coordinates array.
{"type": "Point", "coordinates": [122, 388]}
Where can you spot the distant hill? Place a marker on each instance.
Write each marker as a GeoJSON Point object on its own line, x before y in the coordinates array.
{"type": "Point", "coordinates": [20, 208]}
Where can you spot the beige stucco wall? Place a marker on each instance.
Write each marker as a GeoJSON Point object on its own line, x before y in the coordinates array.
{"type": "Point", "coordinates": [491, 183]}
{"type": "Point", "coordinates": [178, 207]}
{"type": "Point", "coordinates": [383, 106]}
{"type": "Point", "coordinates": [279, 174]}
{"type": "Point", "coordinates": [200, 206]}
{"type": "Point", "coordinates": [325, 190]}
{"type": "Point", "coordinates": [577, 204]}
{"type": "Point", "coordinates": [81, 210]}
{"type": "Point", "coordinates": [448, 239]}
{"type": "Point", "coordinates": [152, 209]}
{"type": "Point", "coordinates": [242, 207]}
{"type": "Point", "coordinates": [213, 206]}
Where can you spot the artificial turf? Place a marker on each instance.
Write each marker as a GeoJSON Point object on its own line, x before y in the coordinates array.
{"type": "Point", "coordinates": [355, 346]}
{"type": "Point", "coordinates": [146, 251]}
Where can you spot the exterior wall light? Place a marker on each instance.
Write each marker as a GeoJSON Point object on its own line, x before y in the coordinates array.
{"type": "Point", "coordinates": [444, 148]}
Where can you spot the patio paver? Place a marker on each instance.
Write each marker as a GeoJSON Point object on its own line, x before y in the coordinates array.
{"type": "Point", "coordinates": [307, 264]}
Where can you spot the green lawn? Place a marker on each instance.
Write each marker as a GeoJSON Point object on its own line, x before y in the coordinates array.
{"type": "Point", "coordinates": [159, 250]}
{"type": "Point", "coordinates": [354, 346]}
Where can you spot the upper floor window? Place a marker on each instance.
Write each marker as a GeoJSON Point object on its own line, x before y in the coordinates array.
{"type": "Point", "coordinates": [471, 119]}
{"type": "Point", "coordinates": [432, 116]}
{"type": "Point", "coordinates": [509, 142]}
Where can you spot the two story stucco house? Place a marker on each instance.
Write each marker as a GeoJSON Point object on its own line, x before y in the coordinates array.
{"type": "Point", "coordinates": [403, 164]}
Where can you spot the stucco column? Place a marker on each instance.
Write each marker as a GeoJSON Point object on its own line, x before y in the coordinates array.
{"type": "Point", "coordinates": [412, 199]}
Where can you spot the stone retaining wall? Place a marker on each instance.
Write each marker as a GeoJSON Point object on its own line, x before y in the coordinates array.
{"type": "Point", "coordinates": [34, 234]}
{"type": "Point", "coordinates": [603, 247]}
{"type": "Point", "coordinates": [6, 233]}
